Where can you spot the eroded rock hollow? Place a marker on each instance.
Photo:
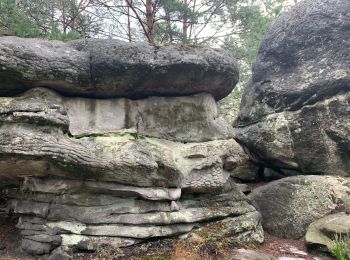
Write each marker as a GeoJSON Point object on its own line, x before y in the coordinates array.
{"type": "Point", "coordinates": [83, 171]}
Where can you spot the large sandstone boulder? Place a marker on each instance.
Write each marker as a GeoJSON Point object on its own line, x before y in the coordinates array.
{"type": "Point", "coordinates": [295, 111]}
{"type": "Point", "coordinates": [288, 206]}
{"type": "Point", "coordinates": [83, 172]}
{"type": "Point", "coordinates": [113, 68]}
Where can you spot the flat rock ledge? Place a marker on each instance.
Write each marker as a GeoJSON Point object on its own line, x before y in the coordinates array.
{"type": "Point", "coordinates": [101, 68]}
{"type": "Point", "coordinates": [84, 172]}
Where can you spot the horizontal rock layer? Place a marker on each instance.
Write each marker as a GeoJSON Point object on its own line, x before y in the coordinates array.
{"type": "Point", "coordinates": [84, 219]}
{"type": "Point", "coordinates": [111, 68]}
{"type": "Point", "coordinates": [184, 119]}
{"type": "Point", "coordinates": [43, 134]}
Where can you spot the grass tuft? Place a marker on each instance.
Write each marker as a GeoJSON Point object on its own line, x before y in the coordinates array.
{"type": "Point", "coordinates": [341, 248]}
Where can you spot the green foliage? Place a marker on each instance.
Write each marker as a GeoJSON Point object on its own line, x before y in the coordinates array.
{"type": "Point", "coordinates": [15, 22]}
{"type": "Point", "coordinates": [341, 248]}
{"type": "Point", "coordinates": [252, 21]}
{"type": "Point", "coordinates": [56, 34]}
{"type": "Point", "coordinates": [54, 20]}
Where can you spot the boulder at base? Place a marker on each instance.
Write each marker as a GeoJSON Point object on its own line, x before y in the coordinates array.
{"type": "Point", "coordinates": [288, 206]}
{"type": "Point", "coordinates": [324, 232]}
{"type": "Point", "coordinates": [295, 112]}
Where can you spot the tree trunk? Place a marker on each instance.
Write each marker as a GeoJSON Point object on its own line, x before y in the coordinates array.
{"type": "Point", "coordinates": [129, 23]}
{"type": "Point", "coordinates": [150, 20]}
{"type": "Point", "coordinates": [185, 24]}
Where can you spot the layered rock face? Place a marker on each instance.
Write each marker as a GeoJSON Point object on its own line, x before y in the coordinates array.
{"type": "Point", "coordinates": [118, 171]}
{"type": "Point", "coordinates": [295, 111]}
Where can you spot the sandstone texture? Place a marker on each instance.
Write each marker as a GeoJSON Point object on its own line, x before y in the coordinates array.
{"type": "Point", "coordinates": [112, 68]}
{"type": "Point", "coordinates": [295, 111]}
{"type": "Point", "coordinates": [324, 232]}
{"type": "Point", "coordinates": [246, 254]}
{"type": "Point", "coordinates": [288, 206]}
{"type": "Point", "coordinates": [150, 161]}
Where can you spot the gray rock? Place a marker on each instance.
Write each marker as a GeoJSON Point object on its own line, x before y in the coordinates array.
{"type": "Point", "coordinates": [44, 238]}
{"type": "Point", "coordinates": [124, 158]}
{"type": "Point", "coordinates": [126, 221]}
{"type": "Point", "coordinates": [246, 171]}
{"type": "Point", "coordinates": [91, 243]}
{"type": "Point", "coordinates": [189, 215]}
{"type": "Point", "coordinates": [137, 231]}
{"type": "Point", "coordinates": [58, 130]}
{"type": "Point", "coordinates": [35, 248]}
{"type": "Point", "coordinates": [246, 254]}
{"type": "Point", "coordinates": [323, 232]}
{"type": "Point", "coordinates": [61, 253]}
{"type": "Point", "coordinates": [288, 206]}
{"type": "Point", "coordinates": [93, 172]}
{"type": "Point", "coordinates": [295, 111]}
{"type": "Point", "coordinates": [62, 186]}
{"type": "Point", "coordinates": [184, 119]}
{"type": "Point", "coordinates": [112, 68]}
{"type": "Point", "coordinates": [239, 229]}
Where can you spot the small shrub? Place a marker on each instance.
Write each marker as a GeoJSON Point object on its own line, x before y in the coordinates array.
{"type": "Point", "coordinates": [341, 248]}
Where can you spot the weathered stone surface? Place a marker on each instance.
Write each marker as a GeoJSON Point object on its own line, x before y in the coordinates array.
{"type": "Point", "coordinates": [183, 119]}
{"type": "Point", "coordinates": [88, 227]}
{"type": "Point", "coordinates": [246, 254]}
{"type": "Point", "coordinates": [323, 232]}
{"type": "Point", "coordinates": [113, 68]}
{"type": "Point", "coordinates": [247, 171]}
{"type": "Point", "coordinates": [39, 142]}
{"type": "Point", "coordinates": [126, 159]}
{"type": "Point", "coordinates": [295, 111]}
{"type": "Point", "coordinates": [61, 253]}
{"type": "Point", "coordinates": [118, 171]}
{"type": "Point", "coordinates": [35, 248]}
{"type": "Point", "coordinates": [288, 206]}
{"type": "Point", "coordinates": [125, 214]}
{"type": "Point", "coordinates": [239, 229]}
{"type": "Point", "coordinates": [92, 243]}
{"type": "Point", "coordinates": [61, 186]}
{"type": "Point", "coordinates": [85, 182]}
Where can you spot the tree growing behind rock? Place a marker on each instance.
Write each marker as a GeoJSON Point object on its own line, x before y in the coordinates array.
{"type": "Point", "coordinates": [237, 25]}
